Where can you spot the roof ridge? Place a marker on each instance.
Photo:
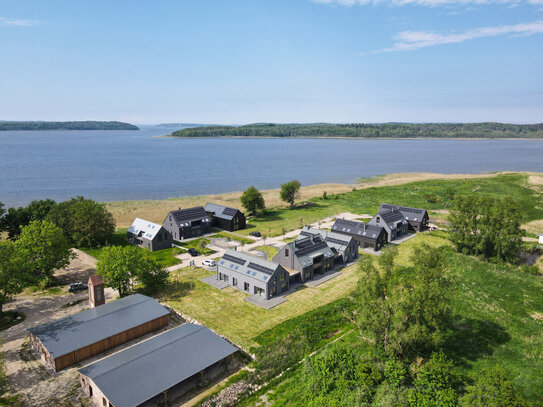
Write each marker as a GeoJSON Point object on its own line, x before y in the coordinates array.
{"type": "Point", "coordinates": [153, 351]}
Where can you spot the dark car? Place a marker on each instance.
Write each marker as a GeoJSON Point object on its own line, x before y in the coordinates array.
{"type": "Point", "coordinates": [193, 252]}
{"type": "Point", "coordinates": [256, 234]}
{"type": "Point", "coordinates": [75, 287]}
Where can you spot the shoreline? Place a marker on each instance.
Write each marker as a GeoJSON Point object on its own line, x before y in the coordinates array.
{"type": "Point", "coordinates": [154, 210]}
{"type": "Point", "coordinates": [352, 138]}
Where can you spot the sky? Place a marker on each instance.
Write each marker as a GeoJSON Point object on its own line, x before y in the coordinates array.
{"type": "Point", "coordinates": [246, 61]}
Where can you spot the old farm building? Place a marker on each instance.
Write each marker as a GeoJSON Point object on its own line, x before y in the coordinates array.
{"type": "Point", "coordinates": [187, 223]}
{"type": "Point", "coordinates": [164, 366]}
{"type": "Point", "coordinates": [305, 256]}
{"type": "Point", "coordinates": [226, 218]}
{"type": "Point", "coordinates": [344, 247]}
{"type": "Point", "coordinates": [252, 274]}
{"type": "Point", "coordinates": [367, 236]}
{"type": "Point", "coordinates": [417, 218]}
{"type": "Point", "coordinates": [149, 235]}
{"type": "Point", "coordinates": [69, 340]}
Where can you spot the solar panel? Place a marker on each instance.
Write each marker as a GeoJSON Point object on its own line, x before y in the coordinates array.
{"type": "Point", "coordinates": [304, 233]}
{"type": "Point", "coordinates": [334, 240]}
{"type": "Point", "coordinates": [303, 243]}
{"type": "Point", "coordinates": [197, 212]}
{"type": "Point", "coordinates": [229, 211]}
{"type": "Point", "coordinates": [311, 248]}
{"type": "Point", "coordinates": [233, 259]}
{"type": "Point", "coordinates": [260, 268]}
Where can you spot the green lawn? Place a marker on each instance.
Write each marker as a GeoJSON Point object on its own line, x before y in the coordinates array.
{"type": "Point", "coordinates": [195, 244]}
{"type": "Point", "coordinates": [231, 236]}
{"type": "Point", "coordinates": [417, 194]}
{"type": "Point", "coordinates": [269, 250]}
{"type": "Point", "coordinates": [164, 256]}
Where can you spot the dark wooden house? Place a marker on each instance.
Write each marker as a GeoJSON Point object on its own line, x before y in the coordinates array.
{"type": "Point", "coordinates": [393, 222]}
{"type": "Point", "coordinates": [226, 218]}
{"type": "Point", "coordinates": [416, 217]}
{"type": "Point", "coordinates": [149, 235]}
{"type": "Point", "coordinates": [70, 340]}
{"type": "Point", "coordinates": [187, 223]}
{"type": "Point", "coordinates": [366, 235]}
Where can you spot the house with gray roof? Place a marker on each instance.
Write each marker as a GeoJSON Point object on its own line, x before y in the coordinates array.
{"type": "Point", "coordinates": [149, 235]}
{"type": "Point", "coordinates": [187, 223]}
{"type": "Point", "coordinates": [344, 247]}
{"type": "Point", "coordinates": [393, 222]}
{"type": "Point", "coordinates": [158, 370]}
{"type": "Point", "coordinates": [252, 274]}
{"type": "Point", "coordinates": [226, 218]}
{"type": "Point", "coordinates": [367, 236]}
{"type": "Point", "coordinates": [417, 218]}
{"type": "Point", "coordinates": [66, 341]}
{"type": "Point", "coordinates": [305, 256]}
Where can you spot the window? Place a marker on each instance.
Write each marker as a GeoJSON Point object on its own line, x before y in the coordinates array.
{"type": "Point", "coordinates": [234, 281]}
{"type": "Point", "coordinates": [99, 293]}
{"type": "Point", "coordinates": [378, 219]}
{"type": "Point", "coordinates": [104, 403]}
{"type": "Point", "coordinates": [159, 237]}
{"type": "Point", "coordinates": [246, 286]}
{"type": "Point", "coordinates": [286, 252]}
{"type": "Point", "coordinates": [282, 277]}
{"type": "Point", "coordinates": [273, 291]}
{"type": "Point", "coordinates": [90, 391]}
{"type": "Point", "coordinates": [275, 280]}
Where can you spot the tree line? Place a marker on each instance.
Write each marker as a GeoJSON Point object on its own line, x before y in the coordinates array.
{"type": "Point", "coordinates": [362, 130]}
{"type": "Point", "coordinates": [81, 125]}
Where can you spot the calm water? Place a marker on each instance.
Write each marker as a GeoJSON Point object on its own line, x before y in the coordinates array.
{"type": "Point", "coordinates": [126, 165]}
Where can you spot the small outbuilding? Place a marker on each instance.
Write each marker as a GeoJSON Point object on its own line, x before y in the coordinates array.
{"type": "Point", "coordinates": [417, 218]}
{"type": "Point", "coordinates": [252, 274]}
{"type": "Point", "coordinates": [187, 223]}
{"type": "Point", "coordinates": [158, 370]}
{"type": "Point", "coordinates": [70, 340]}
{"type": "Point", "coordinates": [149, 235]}
{"type": "Point", "coordinates": [367, 236]}
{"type": "Point", "coordinates": [226, 218]}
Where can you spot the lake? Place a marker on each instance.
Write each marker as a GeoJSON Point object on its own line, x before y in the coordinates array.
{"type": "Point", "coordinates": [131, 165]}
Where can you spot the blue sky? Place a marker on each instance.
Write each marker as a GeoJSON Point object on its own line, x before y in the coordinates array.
{"type": "Point", "coordinates": [241, 61]}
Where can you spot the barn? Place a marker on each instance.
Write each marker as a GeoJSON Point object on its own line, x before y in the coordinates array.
{"type": "Point", "coordinates": [157, 370]}
{"type": "Point", "coordinates": [70, 340]}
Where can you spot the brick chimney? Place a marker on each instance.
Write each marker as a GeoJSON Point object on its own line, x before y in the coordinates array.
{"type": "Point", "coordinates": [96, 291]}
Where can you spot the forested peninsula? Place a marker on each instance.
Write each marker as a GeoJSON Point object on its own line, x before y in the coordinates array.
{"type": "Point", "coordinates": [83, 125]}
{"type": "Point", "coordinates": [360, 130]}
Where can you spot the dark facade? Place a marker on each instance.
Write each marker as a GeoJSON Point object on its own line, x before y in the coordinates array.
{"type": "Point", "coordinates": [417, 218]}
{"type": "Point", "coordinates": [226, 218]}
{"type": "Point", "coordinates": [149, 235]}
{"type": "Point", "coordinates": [367, 236]}
{"type": "Point", "coordinates": [305, 257]}
{"type": "Point", "coordinates": [393, 222]}
{"type": "Point", "coordinates": [344, 247]}
{"type": "Point", "coordinates": [252, 275]}
{"type": "Point", "coordinates": [187, 223]}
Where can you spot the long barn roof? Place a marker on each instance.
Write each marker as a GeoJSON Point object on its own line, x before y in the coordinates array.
{"type": "Point", "coordinates": [76, 331]}
{"type": "Point", "coordinates": [139, 373]}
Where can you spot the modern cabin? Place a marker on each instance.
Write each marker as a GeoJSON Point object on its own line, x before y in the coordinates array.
{"type": "Point", "coordinates": [226, 218]}
{"type": "Point", "coordinates": [149, 235]}
{"type": "Point", "coordinates": [344, 247]}
{"type": "Point", "coordinates": [367, 236]}
{"type": "Point", "coordinates": [416, 217]}
{"type": "Point", "coordinates": [187, 223]}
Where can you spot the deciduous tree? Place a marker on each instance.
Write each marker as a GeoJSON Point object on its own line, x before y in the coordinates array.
{"type": "Point", "coordinates": [290, 191]}
{"type": "Point", "coordinates": [252, 200]}
{"type": "Point", "coordinates": [14, 276]}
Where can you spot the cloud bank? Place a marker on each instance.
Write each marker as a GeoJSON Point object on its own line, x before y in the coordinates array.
{"type": "Point", "coordinates": [13, 22]}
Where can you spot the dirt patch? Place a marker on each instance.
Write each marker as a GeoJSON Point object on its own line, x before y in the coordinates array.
{"type": "Point", "coordinates": [535, 226]}
{"type": "Point", "coordinates": [537, 315]}
{"type": "Point", "coordinates": [407, 177]}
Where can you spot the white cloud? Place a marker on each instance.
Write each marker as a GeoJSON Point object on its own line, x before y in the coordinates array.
{"type": "Point", "coordinates": [429, 3]}
{"type": "Point", "coordinates": [411, 40]}
{"type": "Point", "coordinates": [13, 22]}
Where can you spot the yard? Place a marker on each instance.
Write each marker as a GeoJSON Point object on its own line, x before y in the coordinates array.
{"type": "Point", "coordinates": [232, 236]}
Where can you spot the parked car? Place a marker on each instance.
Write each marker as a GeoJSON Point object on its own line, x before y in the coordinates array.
{"type": "Point", "coordinates": [75, 287]}
{"type": "Point", "coordinates": [256, 234]}
{"type": "Point", "coordinates": [193, 252]}
{"type": "Point", "coordinates": [209, 263]}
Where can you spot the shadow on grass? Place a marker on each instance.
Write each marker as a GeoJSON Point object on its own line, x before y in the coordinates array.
{"type": "Point", "coordinates": [474, 338]}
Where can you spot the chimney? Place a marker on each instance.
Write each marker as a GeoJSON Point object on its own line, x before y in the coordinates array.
{"type": "Point", "coordinates": [96, 291]}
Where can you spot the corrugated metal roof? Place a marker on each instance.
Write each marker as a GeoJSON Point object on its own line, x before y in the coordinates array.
{"type": "Point", "coordinates": [90, 326]}
{"type": "Point", "coordinates": [137, 374]}
{"type": "Point", "coordinates": [148, 229]}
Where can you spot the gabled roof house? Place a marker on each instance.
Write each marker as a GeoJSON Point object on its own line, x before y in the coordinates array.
{"type": "Point", "coordinates": [252, 274]}
{"type": "Point", "coordinates": [416, 217]}
{"type": "Point", "coordinates": [344, 247]}
{"type": "Point", "coordinates": [226, 218]}
{"type": "Point", "coordinates": [187, 223]}
{"type": "Point", "coordinates": [149, 235]}
{"type": "Point", "coordinates": [367, 236]}
{"type": "Point", "coordinates": [393, 222]}
{"type": "Point", "coordinates": [305, 256]}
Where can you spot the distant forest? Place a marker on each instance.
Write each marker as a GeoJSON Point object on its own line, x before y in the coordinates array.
{"type": "Point", "coordinates": [385, 130]}
{"type": "Point", "coordinates": [86, 125]}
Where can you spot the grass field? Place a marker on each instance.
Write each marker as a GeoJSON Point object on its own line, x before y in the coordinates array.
{"type": "Point", "coordinates": [232, 236]}
{"type": "Point", "coordinates": [164, 257]}
{"type": "Point", "coordinates": [195, 244]}
{"type": "Point", "coordinates": [269, 250]}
